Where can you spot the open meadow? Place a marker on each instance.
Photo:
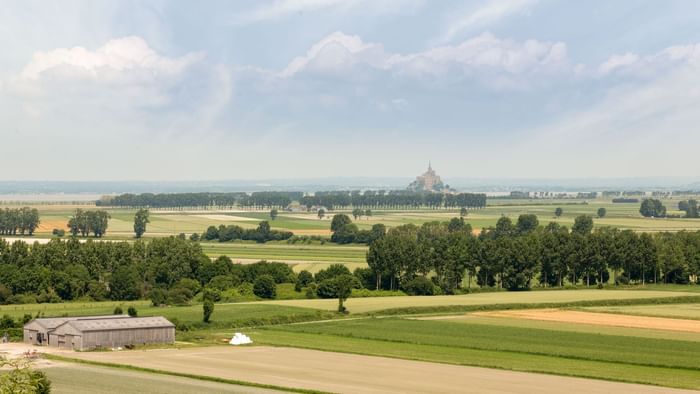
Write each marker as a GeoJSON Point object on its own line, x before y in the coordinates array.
{"type": "Point", "coordinates": [447, 335]}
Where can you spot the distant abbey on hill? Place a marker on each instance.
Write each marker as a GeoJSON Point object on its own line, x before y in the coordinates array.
{"type": "Point", "coordinates": [428, 182]}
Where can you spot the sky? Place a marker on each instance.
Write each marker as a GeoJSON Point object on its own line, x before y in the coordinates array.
{"type": "Point", "coordinates": [210, 90]}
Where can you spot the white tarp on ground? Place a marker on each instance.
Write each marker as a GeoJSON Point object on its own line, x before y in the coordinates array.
{"type": "Point", "coordinates": [240, 339]}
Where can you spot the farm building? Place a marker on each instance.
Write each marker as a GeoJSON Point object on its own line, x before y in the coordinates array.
{"type": "Point", "coordinates": [85, 333]}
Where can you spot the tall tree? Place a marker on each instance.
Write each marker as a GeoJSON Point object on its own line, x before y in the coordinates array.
{"type": "Point", "coordinates": [140, 221]}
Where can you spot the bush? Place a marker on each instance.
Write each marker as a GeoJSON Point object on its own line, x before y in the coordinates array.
{"type": "Point", "coordinates": [48, 297]}
{"type": "Point", "coordinates": [246, 289]}
{"type": "Point", "coordinates": [265, 287]}
{"type": "Point", "coordinates": [158, 296]}
{"type": "Point", "coordinates": [6, 322]}
{"type": "Point", "coordinates": [419, 286]}
{"type": "Point", "coordinates": [311, 291]}
{"type": "Point", "coordinates": [207, 310]}
{"type": "Point", "coordinates": [179, 296]}
{"type": "Point", "coordinates": [5, 294]}
{"type": "Point", "coordinates": [132, 311]}
{"type": "Point", "coordinates": [192, 285]}
{"type": "Point", "coordinates": [59, 232]}
{"type": "Point", "coordinates": [118, 311]}
{"type": "Point", "coordinates": [224, 282]}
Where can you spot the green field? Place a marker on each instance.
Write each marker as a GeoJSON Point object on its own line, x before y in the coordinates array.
{"type": "Point", "coordinates": [374, 304]}
{"type": "Point", "coordinates": [611, 357]}
{"type": "Point", "coordinates": [169, 222]}
{"type": "Point", "coordinates": [678, 311]}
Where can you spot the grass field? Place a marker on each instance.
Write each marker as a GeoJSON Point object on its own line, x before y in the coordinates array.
{"type": "Point", "coordinates": [612, 357]}
{"type": "Point", "coordinates": [373, 304]}
{"type": "Point", "coordinates": [682, 311]}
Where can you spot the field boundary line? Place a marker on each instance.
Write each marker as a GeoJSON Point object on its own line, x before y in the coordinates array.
{"type": "Point", "coordinates": [183, 375]}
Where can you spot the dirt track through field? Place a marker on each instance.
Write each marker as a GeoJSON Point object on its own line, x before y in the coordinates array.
{"type": "Point", "coordinates": [601, 319]}
{"type": "Point", "coordinates": [347, 373]}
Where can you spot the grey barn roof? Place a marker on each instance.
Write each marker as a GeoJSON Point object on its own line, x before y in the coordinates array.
{"type": "Point", "coordinates": [125, 323]}
{"type": "Point", "coordinates": [49, 323]}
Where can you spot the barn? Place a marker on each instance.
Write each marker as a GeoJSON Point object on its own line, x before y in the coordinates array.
{"type": "Point", "coordinates": [37, 331]}
{"type": "Point", "coordinates": [102, 332]}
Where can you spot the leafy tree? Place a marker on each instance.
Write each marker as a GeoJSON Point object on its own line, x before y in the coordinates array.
{"type": "Point", "coordinates": [463, 212]}
{"type": "Point", "coordinates": [321, 213]}
{"type": "Point", "coordinates": [357, 213]}
{"type": "Point", "coordinates": [526, 224]}
{"type": "Point", "coordinates": [158, 296]}
{"type": "Point", "coordinates": [207, 310]}
{"type": "Point", "coordinates": [339, 221]}
{"type": "Point", "coordinates": [368, 213]}
{"type": "Point", "coordinates": [265, 287]}
{"type": "Point", "coordinates": [602, 212]}
{"type": "Point", "coordinates": [124, 284]}
{"type": "Point", "coordinates": [652, 208]}
{"type": "Point", "coordinates": [343, 285]}
{"type": "Point", "coordinates": [420, 286]}
{"type": "Point", "coordinates": [583, 225]}
{"type": "Point", "coordinates": [273, 214]}
{"type": "Point", "coordinates": [333, 271]}
{"type": "Point", "coordinates": [140, 221]}
{"type": "Point", "coordinates": [558, 212]}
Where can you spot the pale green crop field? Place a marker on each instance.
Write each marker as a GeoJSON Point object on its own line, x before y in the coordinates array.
{"type": "Point", "coordinates": [679, 311]}
{"type": "Point", "coordinates": [371, 304]}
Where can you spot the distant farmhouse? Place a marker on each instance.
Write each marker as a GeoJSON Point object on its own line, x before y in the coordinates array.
{"type": "Point", "coordinates": [91, 332]}
{"type": "Point", "coordinates": [428, 182]}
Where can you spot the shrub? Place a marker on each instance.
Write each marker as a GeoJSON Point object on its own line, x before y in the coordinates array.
{"type": "Point", "coordinates": [132, 311]}
{"type": "Point", "coordinates": [419, 286]}
{"type": "Point", "coordinates": [158, 296]}
{"type": "Point", "coordinates": [6, 322]}
{"type": "Point", "coordinates": [246, 289]}
{"type": "Point", "coordinates": [118, 311]}
{"type": "Point", "coordinates": [207, 310]}
{"type": "Point", "coordinates": [192, 285]}
{"type": "Point", "coordinates": [224, 282]}
{"type": "Point", "coordinates": [59, 232]}
{"type": "Point", "coordinates": [5, 293]}
{"type": "Point", "coordinates": [265, 287]}
{"type": "Point", "coordinates": [311, 291]}
{"type": "Point", "coordinates": [179, 296]}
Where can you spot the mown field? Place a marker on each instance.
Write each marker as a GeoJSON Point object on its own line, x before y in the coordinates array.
{"type": "Point", "coordinates": [600, 356]}
{"type": "Point", "coordinates": [680, 311]}
{"type": "Point", "coordinates": [68, 378]}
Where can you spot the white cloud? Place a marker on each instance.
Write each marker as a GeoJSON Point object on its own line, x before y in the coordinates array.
{"type": "Point", "coordinates": [279, 9]}
{"type": "Point", "coordinates": [652, 65]}
{"type": "Point", "coordinates": [488, 13]}
{"type": "Point", "coordinates": [338, 53]}
{"type": "Point", "coordinates": [115, 58]}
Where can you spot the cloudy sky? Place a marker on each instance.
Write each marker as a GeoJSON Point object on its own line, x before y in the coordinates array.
{"type": "Point", "coordinates": [178, 90]}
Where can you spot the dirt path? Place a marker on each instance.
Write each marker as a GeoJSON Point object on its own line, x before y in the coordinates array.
{"type": "Point", "coordinates": [602, 319]}
{"type": "Point", "coordinates": [346, 373]}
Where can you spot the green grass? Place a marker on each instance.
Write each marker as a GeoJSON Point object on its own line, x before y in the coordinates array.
{"type": "Point", "coordinates": [286, 252]}
{"type": "Point", "coordinates": [225, 315]}
{"type": "Point", "coordinates": [678, 311]}
{"type": "Point", "coordinates": [610, 357]}
{"type": "Point", "coordinates": [539, 298]}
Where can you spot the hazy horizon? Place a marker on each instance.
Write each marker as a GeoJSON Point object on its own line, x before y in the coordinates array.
{"type": "Point", "coordinates": [317, 89]}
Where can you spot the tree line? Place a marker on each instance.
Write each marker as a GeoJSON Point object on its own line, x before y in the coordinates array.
{"type": "Point", "coordinates": [86, 222]}
{"type": "Point", "coordinates": [273, 199]}
{"type": "Point", "coordinates": [394, 199]}
{"type": "Point", "coordinates": [516, 256]}
{"type": "Point", "coordinates": [261, 234]}
{"type": "Point", "coordinates": [22, 221]}
{"type": "Point", "coordinates": [265, 199]}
